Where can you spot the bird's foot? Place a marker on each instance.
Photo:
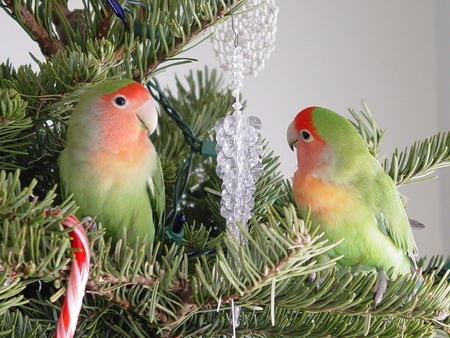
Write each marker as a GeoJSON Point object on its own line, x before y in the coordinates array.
{"type": "Point", "coordinates": [88, 223]}
{"type": "Point", "coordinates": [312, 277]}
{"type": "Point", "coordinates": [318, 281]}
{"type": "Point", "coordinates": [380, 286]}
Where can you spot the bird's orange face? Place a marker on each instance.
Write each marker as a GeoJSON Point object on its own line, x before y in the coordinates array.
{"type": "Point", "coordinates": [132, 102]}
{"type": "Point", "coordinates": [125, 117]}
{"type": "Point", "coordinates": [311, 148]}
{"type": "Point", "coordinates": [314, 156]}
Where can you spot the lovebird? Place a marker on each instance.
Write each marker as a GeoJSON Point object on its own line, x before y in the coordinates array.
{"type": "Point", "coordinates": [346, 192]}
{"type": "Point", "coordinates": [109, 164]}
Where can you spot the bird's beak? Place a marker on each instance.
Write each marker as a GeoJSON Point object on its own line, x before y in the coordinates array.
{"type": "Point", "coordinates": [291, 136]}
{"type": "Point", "coordinates": [148, 116]}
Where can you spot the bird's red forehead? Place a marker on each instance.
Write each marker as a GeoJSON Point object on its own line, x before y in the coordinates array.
{"type": "Point", "coordinates": [132, 91]}
{"type": "Point", "coordinates": [304, 120]}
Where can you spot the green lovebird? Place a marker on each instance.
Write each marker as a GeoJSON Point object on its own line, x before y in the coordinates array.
{"type": "Point", "coordinates": [347, 193]}
{"type": "Point", "coordinates": [109, 164]}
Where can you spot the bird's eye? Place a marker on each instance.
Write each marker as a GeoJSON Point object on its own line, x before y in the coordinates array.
{"type": "Point", "coordinates": [306, 135]}
{"type": "Point", "coordinates": [120, 101]}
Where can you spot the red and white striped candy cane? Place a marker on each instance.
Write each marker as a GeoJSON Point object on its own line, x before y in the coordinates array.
{"type": "Point", "coordinates": [79, 273]}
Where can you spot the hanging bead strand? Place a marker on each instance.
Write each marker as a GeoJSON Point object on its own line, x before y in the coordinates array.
{"type": "Point", "coordinates": [239, 146]}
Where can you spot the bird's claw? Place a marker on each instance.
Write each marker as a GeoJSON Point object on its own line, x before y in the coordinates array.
{"type": "Point", "coordinates": [88, 223]}
{"type": "Point", "coordinates": [312, 277]}
{"type": "Point", "coordinates": [318, 281]}
{"type": "Point", "coordinates": [380, 286]}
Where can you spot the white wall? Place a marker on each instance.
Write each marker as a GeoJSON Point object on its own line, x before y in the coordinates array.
{"type": "Point", "coordinates": [394, 55]}
{"type": "Point", "coordinates": [442, 11]}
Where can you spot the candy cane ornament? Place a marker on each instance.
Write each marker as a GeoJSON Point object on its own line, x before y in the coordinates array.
{"type": "Point", "coordinates": [79, 273]}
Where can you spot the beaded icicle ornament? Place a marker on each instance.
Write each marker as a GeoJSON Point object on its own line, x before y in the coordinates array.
{"type": "Point", "coordinates": [241, 49]}
{"type": "Point", "coordinates": [255, 25]}
{"type": "Point", "coordinates": [242, 44]}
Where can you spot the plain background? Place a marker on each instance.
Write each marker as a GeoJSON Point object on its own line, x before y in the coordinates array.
{"type": "Point", "coordinates": [395, 55]}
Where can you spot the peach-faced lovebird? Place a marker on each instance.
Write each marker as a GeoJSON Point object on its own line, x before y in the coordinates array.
{"type": "Point", "coordinates": [349, 195]}
{"type": "Point", "coordinates": [109, 163]}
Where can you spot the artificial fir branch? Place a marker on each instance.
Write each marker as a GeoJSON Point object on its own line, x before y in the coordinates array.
{"type": "Point", "coordinates": [15, 324]}
{"type": "Point", "coordinates": [123, 278]}
{"type": "Point", "coordinates": [104, 25]}
{"type": "Point", "coordinates": [416, 162]}
{"type": "Point", "coordinates": [181, 42]}
{"type": "Point", "coordinates": [186, 22]}
{"type": "Point", "coordinates": [14, 127]}
{"type": "Point", "coordinates": [49, 45]}
{"type": "Point", "coordinates": [368, 128]}
{"type": "Point", "coordinates": [420, 160]}
{"type": "Point", "coordinates": [148, 291]}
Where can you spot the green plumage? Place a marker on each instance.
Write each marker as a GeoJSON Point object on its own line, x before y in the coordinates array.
{"type": "Point", "coordinates": [110, 166]}
{"type": "Point", "coordinates": [350, 195]}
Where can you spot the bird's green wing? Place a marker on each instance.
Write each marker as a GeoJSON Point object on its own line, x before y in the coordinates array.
{"type": "Point", "coordinates": [391, 215]}
{"type": "Point", "coordinates": [156, 193]}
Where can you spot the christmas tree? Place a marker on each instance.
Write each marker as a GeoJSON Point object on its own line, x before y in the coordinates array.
{"type": "Point", "coordinates": [164, 288]}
